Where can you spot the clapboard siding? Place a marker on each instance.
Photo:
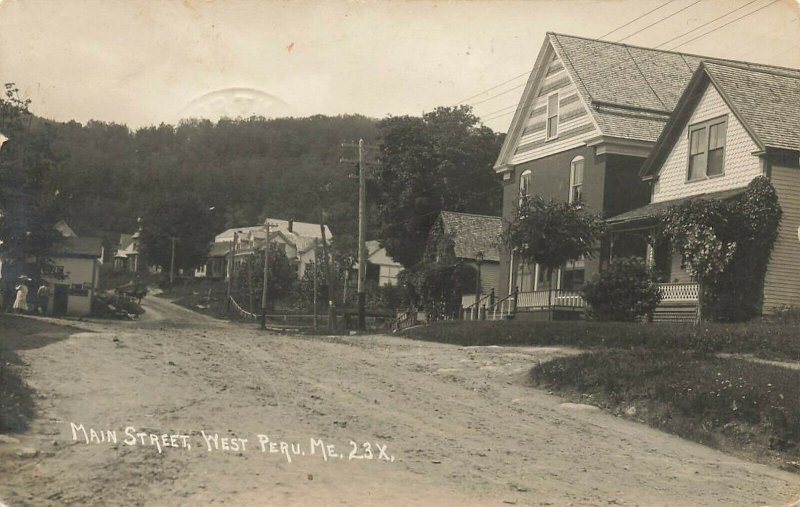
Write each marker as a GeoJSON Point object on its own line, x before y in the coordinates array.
{"type": "Point", "coordinates": [782, 282]}
{"type": "Point", "coordinates": [574, 125]}
{"type": "Point", "coordinates": [740, 165]}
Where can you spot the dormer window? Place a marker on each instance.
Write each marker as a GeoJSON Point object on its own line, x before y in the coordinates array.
{"type": "Point", "coordinates": [552, 116]}
{"type": "Point", "coordinates": [707, 149]}
{"type": "Point", "coordinates": [576, 180]}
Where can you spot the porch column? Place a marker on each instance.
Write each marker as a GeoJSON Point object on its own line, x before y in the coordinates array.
{"type": "Point", "coordinates": [650, 256]}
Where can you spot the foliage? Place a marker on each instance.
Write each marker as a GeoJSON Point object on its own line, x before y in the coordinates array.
{"type": "Point", "coordinates": [625, 291]}
{"type": "Point", "coordinates": [691, 228]}
{"type": "Point", "coordinates": [182, 216]}
{"type": "Point", "coordinates": [305, 289]}
{"type": "Point", "coordinates": [729, 403]}
{"type": "Point", "coordinates": [437, 289]}
{"type": "Point", "coordinates": [108, 175]}
{"type": "Point", "coordinates": [29, 203]}
{"type": "Point", "coordinates": [726, 246]}
{"type": "Point", "coordinates": [248, 281]}
{"type": "Point", "coordinates": [553, 233]}
{"type": "Point", "coordinates": [441, 161]}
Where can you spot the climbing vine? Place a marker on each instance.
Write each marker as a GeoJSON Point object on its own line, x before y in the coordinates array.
{"type": "Point", "coordinates": [726, 246]}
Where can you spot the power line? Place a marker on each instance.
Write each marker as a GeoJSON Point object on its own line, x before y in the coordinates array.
{"type": "Point", "coordinates": [629, 64]}
{"type": "Point", "coordinates": [635, 19]}
{"type": "Point", "coordinates": [726, 24]}
{"type": "Point", "coordinates": [529, 71]}
{"type": "Point", "coordinates": [607, 72]}
{"type": "Point", "coordinates": [492, 88]}
{"type": "Point", "coordinates": [603, 74]}
{"type": "Point", "coordinates": [708, 22]}
{"type": "Point", "coordinates": [659, 21]}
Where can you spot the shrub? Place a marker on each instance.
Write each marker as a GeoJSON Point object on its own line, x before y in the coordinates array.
{"type": "Point", "coordinates": [625, 291]}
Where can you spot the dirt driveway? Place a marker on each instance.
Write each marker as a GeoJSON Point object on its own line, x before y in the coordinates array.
{"type": "Point", "coordinates": [444, 425]}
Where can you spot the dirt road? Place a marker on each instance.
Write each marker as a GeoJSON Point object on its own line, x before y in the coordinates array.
{"type": "Point", "coordinates": [445, 425]}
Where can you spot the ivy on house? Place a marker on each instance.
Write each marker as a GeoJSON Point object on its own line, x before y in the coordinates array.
{"type": "Point", "coordinates": [726, 246]}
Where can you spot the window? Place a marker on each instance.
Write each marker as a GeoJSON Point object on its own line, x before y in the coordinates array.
{"type": "Point", "coordinates": [707, 149]}
{"type": "Point", "coordinates": [573, 275]}
{"type": "Point", "coordinates": [525, 184]}
{"type": "Point", "coordinates": [552, 116]}
{"type": "Point", "coordinates": [576, 180]}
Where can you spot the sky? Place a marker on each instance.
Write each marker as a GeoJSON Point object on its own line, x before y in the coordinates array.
{"type": "Point", "coordinates": [145, 62]}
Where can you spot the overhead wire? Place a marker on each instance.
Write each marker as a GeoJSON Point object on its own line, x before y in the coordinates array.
{"type": "Point", "coordinates": [616, 69]}
{"type": "Point", "coordinates": [529, 71]}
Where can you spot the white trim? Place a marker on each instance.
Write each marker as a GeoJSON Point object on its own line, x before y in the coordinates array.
{"type": "Point", "coordinates": [535, 80]}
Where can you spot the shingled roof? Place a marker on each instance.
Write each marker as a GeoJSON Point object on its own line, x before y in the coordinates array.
{"type": "Point", "coordinates": [764, 99]}
{"type": "Point", "coordinates": [630, 90]}
{"type": "Point", "coordinates": [472, 234]}
{"type": "Point", "coordinates": [767, 101]}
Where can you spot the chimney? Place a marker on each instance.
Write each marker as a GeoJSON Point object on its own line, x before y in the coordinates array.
{"type": "Point", "coordinates": [291, 224]}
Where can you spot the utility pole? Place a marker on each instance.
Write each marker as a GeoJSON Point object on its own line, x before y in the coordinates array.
{"type": "Point", "coordinates": [172, 261]}
{"type": "Point", "coordinates": [315, 293]}
{"type": "Point", "coordinates": [232, 254]}
{"type": "Point", "coordinates": [362, 222]}
{"type": "Point", "coordinates": [266, 277]}
{"type": "Point", "coordinates": [328, 268]}
{"type": "Point", "coordinates": [362, 236]}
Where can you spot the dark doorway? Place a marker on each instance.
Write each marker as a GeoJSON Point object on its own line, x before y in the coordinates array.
{"type": "Point", "coordinates": [60, 298]}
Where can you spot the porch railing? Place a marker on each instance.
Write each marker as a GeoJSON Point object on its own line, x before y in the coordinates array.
{"type": "Point", "coordinates": [551, 298]}
{"type": "Point", "coordinates": [678, 292]}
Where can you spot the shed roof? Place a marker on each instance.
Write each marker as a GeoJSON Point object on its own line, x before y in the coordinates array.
{"type": "Point", "coordinates": [648, 212]}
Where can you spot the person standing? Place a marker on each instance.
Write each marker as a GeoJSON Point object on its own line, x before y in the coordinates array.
{"type": "Point", "coordinates": [42, 298]}
{"type": "Point", "coordinates": [21, 303]}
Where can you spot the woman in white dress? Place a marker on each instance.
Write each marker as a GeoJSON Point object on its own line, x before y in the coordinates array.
{"type": "Point", "coordinates": [21, 303]}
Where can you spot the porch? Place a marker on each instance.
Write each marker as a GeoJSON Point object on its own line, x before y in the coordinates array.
{"type": "Point", "coordinates": [678, 304]}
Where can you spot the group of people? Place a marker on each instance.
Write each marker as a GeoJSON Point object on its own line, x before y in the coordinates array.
{"type": "Point", "coordinates": [21, 300]}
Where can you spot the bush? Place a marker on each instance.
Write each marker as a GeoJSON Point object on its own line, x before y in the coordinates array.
{"type": "Point", "coordinates": [625, 291]}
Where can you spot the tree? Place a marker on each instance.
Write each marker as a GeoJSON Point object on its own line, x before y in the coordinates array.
{"type": "Point", "coordinates": [250, 278]}
{"type": "Point", "coordinates": [553, 233]}
{"type": "Point", "coordinates": [181, 216]}
{"type": "Point", "coordinates": [28, 203]}
{"type": "Point", "coordinates": [441, 161]}
{"type": "Point", "coordinates": [625, 291]}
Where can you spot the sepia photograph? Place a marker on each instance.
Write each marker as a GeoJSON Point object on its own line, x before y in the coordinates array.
{"type": "Point", "coordinates": [400, 252]}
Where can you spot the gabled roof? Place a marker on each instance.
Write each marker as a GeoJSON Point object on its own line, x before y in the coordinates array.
{"type": "Point", "coordinates": [767, 101]}
{"type": "Point", "coordinates": [629, 91]}
{"type": "Point", "coordinates": [472, 234]}
{"type": "Point", "coordinates": [764, 99]}
{"type": "Point", "coordinates": [300, 231]}
{"type": "Point", "coordinates": [79, 247]}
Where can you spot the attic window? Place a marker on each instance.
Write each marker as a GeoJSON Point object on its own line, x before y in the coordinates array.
{"type": "Point", "coordinates": [707, 149]}
{"type": "Point", "coordinates": [552, 116]}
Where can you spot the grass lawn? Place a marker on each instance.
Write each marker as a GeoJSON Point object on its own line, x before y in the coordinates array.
{"type": "Point", "coordinates": [668, 376]}
{"type": "Point", "coordinates": [744, 408]}
{"type": "Point", "coordinates": [777, 339]}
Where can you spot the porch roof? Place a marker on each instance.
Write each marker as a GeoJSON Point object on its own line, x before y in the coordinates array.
{"type": "Point", "coordinates": [646, 215]}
